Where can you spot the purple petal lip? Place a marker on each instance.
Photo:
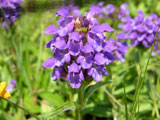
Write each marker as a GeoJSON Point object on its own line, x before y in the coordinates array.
{"type": "Point", "coordinates": [49, 63]}
{"type": "Point", "coordinates": [63, 12]}
{"type": "Point", "coordinates": [73, 68]}
{"type": "Point", "coordinates": [50, 30]}
{"type": "Point", "coordinates": [57, 72]}
{"type": "Point", "coordinates": [99, 59]}
{"type": "Point", "coordinates": [74, 49]}
{"type": "Point", "coordinates": [74, 36]}
{"type": "Point", "coordinates": [102, 28]}
{"type": "Point", "coordinates": [60, 43]}
{"type": "Point", "coordinates": [75, 81]}
{"type": "Point", "coordinates": [95, 73]}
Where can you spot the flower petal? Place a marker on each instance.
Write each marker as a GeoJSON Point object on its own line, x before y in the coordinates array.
{"type": "Point", "coordinates": [75, 81]}
{"type": "Point", "coordinates": [73, 68]}
{"type": "Point", "coordinates": [50, 30]}
{"type": "Point", "coordinates": [96, 74]}
{"type": "Point", "coordinates": [60, 43]}
{"type": "Point", "coordinates": [102, 28]}
{"type": "Point", "coordinates": [74, 48]}
{"type": "Point", "coordinates": [99, 59]}
{"type": "Point", "coordinates": [57, 72]}
{"type": "Point", "coordinates": [74, 36]}
{"type": "Point", "coordinates": [49, 63]}
{"type": "Point", "coordinates": [63, 12]}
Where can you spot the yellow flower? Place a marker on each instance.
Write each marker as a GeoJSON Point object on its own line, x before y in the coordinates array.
{"type": "Point", "coordinates": [3, 92]}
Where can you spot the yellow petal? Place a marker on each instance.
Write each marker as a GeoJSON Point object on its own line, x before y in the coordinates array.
{"type": "Point", "coordinates": [3, 92]}
{"type": "Point", "coordinates": [7, 95]}
{"type": "Point", "coordinates": [3, 86]}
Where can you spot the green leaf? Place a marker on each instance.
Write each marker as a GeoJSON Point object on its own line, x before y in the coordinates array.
{"type": "Point", "coordinates": [100, 109]}
{"type": "Point", "coordinates": [28, 104]}
{"type": "Point", "coordinates": [145, 107]}
{"type": "Point", "coordinates": [6, 116]}
{"type": "Point", "coordinates": [63, 108]}
{"type": "Point", "coordinates": [120, 91]}
{"type": "Point", "coordinates": [53, 98]}
{"type": "Point", "coordinates": [91, 89]}
{"type": "Point", "coordinates": [133, 8]}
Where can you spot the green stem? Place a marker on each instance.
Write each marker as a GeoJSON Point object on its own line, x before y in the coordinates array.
{"type": "Point", "coordinates": [16, 105]}
{"type": "Point", "coordinates": [80, 103]}
{"type": "Point", "coordinates": [125, 97]}
{"type": "Point", "coordinates": [158, 83]}
{"type": "Point", "coordinates": [140, 85]}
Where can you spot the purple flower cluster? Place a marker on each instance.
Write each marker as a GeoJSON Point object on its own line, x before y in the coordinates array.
{"type": "Point", "coordinates": [9, 11]}
{"type": "Point", "coordinates": [141, 30]}
{"type": "Point", "coordinates": [79, 47]}
{"type": "Point", "coordinates": [109, 10]}
{"type": "Point", "coordinates": [117, 48]}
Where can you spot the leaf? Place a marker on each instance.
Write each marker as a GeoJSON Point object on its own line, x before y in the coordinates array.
{"type": "Point", "coordinates": [28, 104]}
{"type": "Point", "coordinates": [100, 109]}
{"type": "Point", "coordinates": [53, 98]}
{"type": "Point", "coordinates": [6, 116]}
{"type": "Point", "coordinates": [63, 108]}
{"type": "Point", "coordinates": [145, 107]}
{"type": "Point", "coordinates": [120, 91]}
{"type": "Point", "coordinates": [91, 89]}
{"type": "Point", "coordinates": [133, 8]}
{"type": "Point", "coordinates": [158, 7]}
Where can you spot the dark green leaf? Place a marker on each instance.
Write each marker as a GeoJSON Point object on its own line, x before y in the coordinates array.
{"type": "Point", "coordinates": [91, 89]}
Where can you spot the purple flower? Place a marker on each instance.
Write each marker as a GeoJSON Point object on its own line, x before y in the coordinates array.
{"type": "Point", "coordinates": [73, 10]}
{"type": "Point", "coordinates": [110, 10]}
{"type": "Point", "coordinates": [11, 86]}
{"type": "Point", "coordinates": [100, 4]}
{"type": "Point", "coordinates": [78, 47]}
{"type": "Point", "coordinates": [107, 11]}
{"type": "Point", "coordinates": [124, 11]}
{"type": "Point", "coordinates": [141, 30]}
{"type": "Point", "coordinates": [9, 11]}
{"type": "Point", "coordinates": [117, 48]}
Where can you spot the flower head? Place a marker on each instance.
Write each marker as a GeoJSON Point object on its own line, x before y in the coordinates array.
{"type": "Point", "coordinates": [3, 92]}
{"type": "Point", "coordinates": [110, 11]}
{"type": "Point", "coordinates": [9, 10]}
{"type": "Point", "coordinates": [78, 47]}
{"type": "Point", "coordinates": [141, 30]}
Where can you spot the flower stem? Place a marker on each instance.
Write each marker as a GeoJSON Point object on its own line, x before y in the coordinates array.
{"type": "Point", "coordinates": [80, 103]}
